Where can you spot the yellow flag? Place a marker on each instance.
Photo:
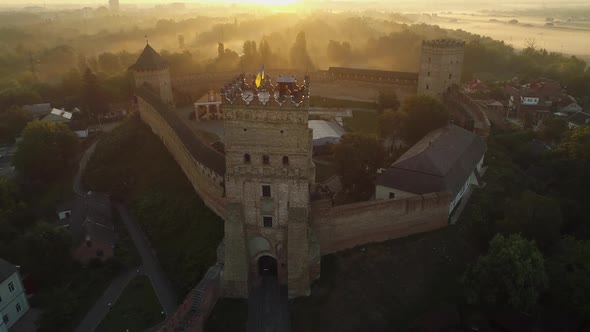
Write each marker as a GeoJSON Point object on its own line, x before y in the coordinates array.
{"type": "Point", "coordinates": [260, 77]}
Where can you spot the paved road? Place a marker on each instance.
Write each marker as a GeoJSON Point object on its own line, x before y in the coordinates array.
{"type": "Point", "coordinates": [101, 307]}
{"type": "Point", "coordinates": [268, 307]}
{"type": "Point", "coordinates": [162, 285]}
{"type": "Point", "coordinates": [82, 166]}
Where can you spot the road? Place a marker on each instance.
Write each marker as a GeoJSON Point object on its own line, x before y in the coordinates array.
{"type": "Point", "coordinates": [268, 307]}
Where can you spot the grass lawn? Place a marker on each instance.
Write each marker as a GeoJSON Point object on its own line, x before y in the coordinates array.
{"type": "Point", "coordinates": [228, 315]}
{"type": "Point", "coordinates": [387, 286]}
{"type": "Point", "coordinates": [317, 101]}
{"type": "Point", "coordinates": [362, 123]}
{"type": "Point", "coordinates": [136, 309]}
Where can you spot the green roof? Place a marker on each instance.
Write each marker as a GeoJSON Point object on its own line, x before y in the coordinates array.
{"type": "Point", "coordinates": [149, 60]}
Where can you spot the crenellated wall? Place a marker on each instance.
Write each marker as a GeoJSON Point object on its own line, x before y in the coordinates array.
{"type": "Point", "coordinates": [346, 226]}
{"type": "Point", "coordinates": [208, 183]}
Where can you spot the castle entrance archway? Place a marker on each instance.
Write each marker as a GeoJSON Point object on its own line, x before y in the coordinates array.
{"type": "Point", "coordinates": [267, 266]}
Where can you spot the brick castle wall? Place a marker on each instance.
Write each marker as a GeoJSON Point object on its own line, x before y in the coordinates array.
{"type": "Point", "coordinates": [346, 226]}
{"type": "Point", "coordinates": [204, 181]}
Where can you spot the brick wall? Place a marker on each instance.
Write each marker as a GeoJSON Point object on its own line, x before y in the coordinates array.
{"type": "Point", "coordinates": [204, 181]}
{"type": "Point", "coordinates": [192, 314]}
{"type": "Point", "coordinates": [346, 226]}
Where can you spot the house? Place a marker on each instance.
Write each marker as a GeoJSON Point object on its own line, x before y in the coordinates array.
{"type": "Point", "coordinates": [59, 116]}
{"type": "Point", "coordinates": [568, 104]}
{"type": "Point", "coordinates": [475, 86]}
{"type": "Point", "coordinates": [578, 119]}
{"type": "Point", "coordinates": [89, 219]}
{"type": "Point", "coordinates": [448, 159]}
{"type": "Point", "coordinates": [325, 132]}
{"type": "Point", "coordinates": [525, 106]}
{"type": "Point", "coordinates": [13, 300]}
{"type": "Point", "coordinates": [38, 110]}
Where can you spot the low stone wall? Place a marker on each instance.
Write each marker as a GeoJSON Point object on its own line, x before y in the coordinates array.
{"type": "Point", "coordinates": [346, 226]}
{"type": "Point", "coordinates": [192, 314]}
{"type": "Point", "coordinates": [206, 182]}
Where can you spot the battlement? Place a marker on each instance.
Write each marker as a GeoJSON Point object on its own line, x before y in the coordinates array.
{"type": "Point", "coordinates": [443, 43]}
{"type": "Point", "coordinates": [283, 94]}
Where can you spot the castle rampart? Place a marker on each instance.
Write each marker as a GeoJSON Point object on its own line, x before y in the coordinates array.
{"type": "Point", "coordinates": [346, 226]}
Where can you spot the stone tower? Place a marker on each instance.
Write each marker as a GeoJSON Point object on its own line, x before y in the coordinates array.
{"type": "Point", "coordinates": [269, 173]}
{"type": "Point", "coordinates": [151, 68]}
{"type": "Point", "coordinates": [441, 66]}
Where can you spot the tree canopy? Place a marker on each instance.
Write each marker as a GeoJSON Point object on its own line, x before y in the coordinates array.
{"type": "Point", "coordinates": [512, 274]}
{"type": "Point", "coordinates": [45, 150]}
{"type": "Point", "coordinates": [423, 114]}
{"type": "Point", "coordinates": [357, 159]}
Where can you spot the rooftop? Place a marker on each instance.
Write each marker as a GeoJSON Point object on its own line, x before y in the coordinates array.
{"type": "Point", "coordinates": [6, 270]}
{"type": "Point", "coordinates": [441, 161]}
{"type": "Point", "coordinates": [149, 60]}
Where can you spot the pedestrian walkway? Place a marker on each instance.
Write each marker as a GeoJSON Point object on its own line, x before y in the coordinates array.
{"type": "Point", "coordinates": [110, 295]}
{"type": "Point", "coordinates": [162, 285]}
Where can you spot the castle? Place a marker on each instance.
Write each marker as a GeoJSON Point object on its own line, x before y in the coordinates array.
{"type": "Point", "coordinates": [262, 185]}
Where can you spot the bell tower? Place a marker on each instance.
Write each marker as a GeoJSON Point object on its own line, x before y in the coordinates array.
{"type": "Point", "coordinates": [269, 173]}
{"type": "Point", "coordinates": [151, 68]}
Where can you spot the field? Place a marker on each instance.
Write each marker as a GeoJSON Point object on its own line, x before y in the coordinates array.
{"type": "Point", "coordinates": [567, 38]}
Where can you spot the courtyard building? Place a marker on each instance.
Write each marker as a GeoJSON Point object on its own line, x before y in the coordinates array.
{"type": "Point", "coordinates": [448, 159]}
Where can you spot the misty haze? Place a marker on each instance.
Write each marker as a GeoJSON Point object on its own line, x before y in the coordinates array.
{"type": "Point", "coordinates": [294, 165]}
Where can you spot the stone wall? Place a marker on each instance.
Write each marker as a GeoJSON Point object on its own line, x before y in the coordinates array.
{"type": "Point", "coordinates": [346, 226]}
{"type": "Point", "coordinates": [192, 314]}
{"type": "Point", "coordinates": [206, 182]}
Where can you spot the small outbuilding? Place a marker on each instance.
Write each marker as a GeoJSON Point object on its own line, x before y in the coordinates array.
{"type": "Point", "coordinates": [325, 132]}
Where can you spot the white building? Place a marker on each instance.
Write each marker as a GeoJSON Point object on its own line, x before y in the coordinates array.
{"type": "Point", "coordinates": [325, 132]}
{"type": "Point", "coordinates": [57, 115]}
{"type": "Point", "coordinates": [448, 159]}
{"type": "Point", "coordinates": [13, 300]}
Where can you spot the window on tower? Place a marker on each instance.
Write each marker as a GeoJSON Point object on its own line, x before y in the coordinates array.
{"type": "Point", "coordinates": [428, 74]}
{"type": "Point", "coordinates": [267, 221]}
{"type": "Point", "coordinates": [265, 159]}
{"type": "Point", "coordinates": [265, 190]}
{"type": "Point", "coordinates": [285, 161]}
{"type": "Point", "coordinates": [450, 75]}
{"type": "Point", "coordinates": [246, 158]}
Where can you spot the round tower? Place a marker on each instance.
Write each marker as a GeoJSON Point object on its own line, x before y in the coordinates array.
{"type": "Point", "coordinates": [441, 66]}
{"type": "Point", "coordinates": [152, 69]}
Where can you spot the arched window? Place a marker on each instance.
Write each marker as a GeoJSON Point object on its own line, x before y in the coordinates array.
{"type": "Point", "coordinates": [265, 160]}
{"type": "Point", "coordinates": [426, 86]}
{"type": "Point", "coordinates": [285, 161]}
{"type": "Point", "coordinates": [246, 158]}
{"type": "Point", "coordinates": [450, 75]}
{"type": "Point", "coordinates": [428, 74]}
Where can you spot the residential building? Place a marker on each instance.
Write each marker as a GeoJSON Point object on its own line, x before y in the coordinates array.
{"type": "Point", "coordinates": [578, 119]}
{"type": "Point", "coordinates": [38, 110]}
{"type": "Point", "coordinates": [89, 219]}
{"type": "Point", "coordinates": [448, 159]}
{"type": "Point", "coordinates": [13, 299]}
{"type": "Point", "coordinates": [568, 104]}
{"type": "Point", "coordinates": [58, 116]}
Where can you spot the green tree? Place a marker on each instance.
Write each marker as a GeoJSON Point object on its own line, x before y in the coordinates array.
{"type": "Point", "coordinates": [357, 159]}
{"type": "Point", "coordinates": [424, 114]}
{"type": "Point", "coordinates": [511, 274]}
{"type": "Point", "coordinates": [576, 144]}
{"type": "Point", "coordinates": [569, 272]}
{"type": "Point", "coordinates": [47, 253]}
{"type": "Point", "coordinates": [387, 99]}
{"type": "Point", "coordinates": [93, 95]}
{"type": "Point", "coordinates": [300, 58]}
{"type": "Point", "coordinates": [12, 122]}
{"type": "Point", "coordinates": [391, 123]}
{"type": "Point", "coordinates": [537, 217]}
{"type": "Point", "coordinates": [45, 150]}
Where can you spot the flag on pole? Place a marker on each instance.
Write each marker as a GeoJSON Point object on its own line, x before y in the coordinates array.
{"type": "Point", "coordinates": [260, 77]}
